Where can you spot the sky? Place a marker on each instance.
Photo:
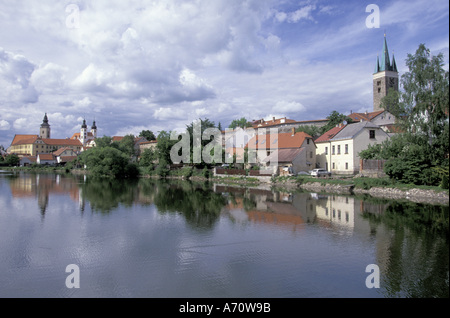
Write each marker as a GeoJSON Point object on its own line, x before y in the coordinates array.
{"type": "Point", "coordinates": [160, 65]}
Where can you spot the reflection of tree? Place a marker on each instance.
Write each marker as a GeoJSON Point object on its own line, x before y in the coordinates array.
{"type": "Point", "coordinates": [200, 206]}
{"type": "Point", "coordinates": [105, 195]}
{"type": "Point", "coordinates": [418, 251]}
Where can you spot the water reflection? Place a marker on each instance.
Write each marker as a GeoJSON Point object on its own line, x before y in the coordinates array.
{"type": "Point", "coordinates": [408, 241]}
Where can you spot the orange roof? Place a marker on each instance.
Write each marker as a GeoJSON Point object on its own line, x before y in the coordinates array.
{"type": "Point", "coordinates": [46, 156]}
{"type": "Point", "coordinates": [77, 135]}
{"type": "Point", "coordinates": [23, 139]}
{"type": "Point", "coordinates": [61, 150]}
{"type": "Point", "coordinates": [266, 123]}
{"type": "Point", "coordinates": [68, 158]}
{"type": "Point", "coordinates": [117, 138]}
{"type": "Point", "coordinates": [330, 134]}
{"type": "Point", "coordinates": [365, 116]}
{"type": "Point", "coordinates": [62, 142]}
{"type": "Point", "coordinates": [280, 141]}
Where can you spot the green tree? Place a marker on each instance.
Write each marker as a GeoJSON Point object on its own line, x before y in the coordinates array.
{"type": "Point", "coordinates": [126, 145]}
{"type": "Point", "coordinates": [205, 124]}
{"type": "Point", "coordinates": [104, 141]}
{"type": "Point", "coordinates": [107, 162]}
{"type": "Point", "coordinates": [419, 154]}
{"type": "Point", "coordinates": [335, 118]}
{"type": "Point", "coordinates": [163, 146]}
{"type": "Point", "coordinates": [147, 134]}
{"type": "Point", "coordinates": [311, 130]}
{"type": "Point", "coordinates": [148, 157]}
{"type": "Point", "coordinates": [12, 160]}
{"type": "Point", "coordinates": [242, 123]}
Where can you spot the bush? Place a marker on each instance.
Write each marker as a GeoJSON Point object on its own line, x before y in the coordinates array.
{"type": "Point", "coordinates": [444, 182]}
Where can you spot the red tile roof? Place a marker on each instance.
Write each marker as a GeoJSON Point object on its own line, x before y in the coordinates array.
{"type": "Point", "coordinates": [365, 116]}
{"type": "Point", "coordinates": [330, 134]}
{"type": "Point", "coordinates": [61, 150]}
{"type": "Point", "coordinates": [24, 139]}
{"type": "Point", "coordinates": [280, 141]}
{"type": "Point", "coordinates": [267, 123]}
{"type": "Point", "coordinates": [117, 138]}
{"type": "Point", "coordinates": [62, 142]}
{"type": "Point", "coordinates": [46, 156]}
{"type": "Point", "coordinates": [68, 158]}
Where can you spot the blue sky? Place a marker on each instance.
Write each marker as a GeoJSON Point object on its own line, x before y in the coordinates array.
{"type": "Point", "coordinates": [159, 65]}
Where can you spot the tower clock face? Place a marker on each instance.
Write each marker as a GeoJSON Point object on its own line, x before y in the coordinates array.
{"type": "Point", "coordinates": [391, 82]}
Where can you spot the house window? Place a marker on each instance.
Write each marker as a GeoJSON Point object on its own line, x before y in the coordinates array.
{"type": "Point", "coordinates": [346, 148]}
{"type": "Point", "coordinates": [307, 141]}
{"type": "Point", "coordinates": [311, 155]}
{"type": "Point", "coordinates": [333, 165]}
{"type": "Point", "coordinates": [339, 150]}
{"type": "Point", "coordinates": [332, 150]}
{"type": "Point", "coordinates": [326, 150]}
{"type": "Point", "coordinates": [346, 166]}
{"type": "Point", "coordinates": [372, 134]}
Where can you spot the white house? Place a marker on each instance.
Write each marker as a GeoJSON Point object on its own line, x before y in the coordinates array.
{"type": "Point", "coordinates": [338, 149]}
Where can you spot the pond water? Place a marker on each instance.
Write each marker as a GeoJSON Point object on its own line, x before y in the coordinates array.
{"type": "Point", "coordinates": [167, 239]}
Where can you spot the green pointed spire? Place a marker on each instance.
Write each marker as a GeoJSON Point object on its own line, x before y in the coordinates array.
{"type": "Point", "coordinates": [394, 65]}
{"type": "Point", "coordinates": [377, 66]}
{"type": "Point", "coordinates": [385, 62]}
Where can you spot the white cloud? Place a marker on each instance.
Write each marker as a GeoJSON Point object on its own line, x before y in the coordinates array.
{"type": "Point", "coordinates": [21, 123]}
{"type": "Point", "coordinates": [4, 125]}
{"type": "Point", "coordinates": [289, 107]}
{"type": "Point", "coordinates": [304, 13]}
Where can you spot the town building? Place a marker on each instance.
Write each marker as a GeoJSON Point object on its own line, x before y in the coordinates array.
{"type": "Point", "coordinates": [338, 149]}
{"type": "Point", "coordinates": [33, 145]}
{"type": "Point", "coordinates": [294, 151]}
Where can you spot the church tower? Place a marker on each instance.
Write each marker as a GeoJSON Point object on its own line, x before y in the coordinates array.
{"type": "Point", "coordinates": [44, 131]}
{"type": "Point", "coordinates": [94, 130]}
{"type": "Point", "coordinates": [83, 133]}
{"type": "Point", "coordinates": [385, 77]}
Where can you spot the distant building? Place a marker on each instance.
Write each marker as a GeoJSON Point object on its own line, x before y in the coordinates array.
{"type": "Point", "coordinates": [32, 145]}
{"type": "Point", "coordinates": [296, 151]}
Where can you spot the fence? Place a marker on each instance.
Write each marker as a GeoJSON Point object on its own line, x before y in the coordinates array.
{"type": "Point", "coordinates": [372, 167]}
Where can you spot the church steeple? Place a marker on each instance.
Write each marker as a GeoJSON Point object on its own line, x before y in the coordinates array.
{"type": "Point", "coordinates": [385, 77]}
{"type": "Point", "coordinates": [44, 131]}
{"type": "Point", "coordinates": [385, 63]}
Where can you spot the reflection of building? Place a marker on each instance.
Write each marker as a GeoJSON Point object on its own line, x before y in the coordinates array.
{"type": "Point", "coordinates": [337, 210]}
{"type": "Point", "coordinates": [41, 186]}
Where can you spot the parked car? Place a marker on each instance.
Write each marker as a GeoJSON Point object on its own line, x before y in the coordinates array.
{"type": "Point", "coordinates": [320, 172]}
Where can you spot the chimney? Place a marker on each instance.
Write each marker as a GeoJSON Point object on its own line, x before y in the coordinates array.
{"type": "Point", "coordinates": [273, 119]}
{"type": "Point", "coordinates": [293, 131]}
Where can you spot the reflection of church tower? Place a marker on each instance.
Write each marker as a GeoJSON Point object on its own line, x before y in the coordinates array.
{"type": "Point", "coordinates": [384, 77]}
{"type": "Point", "coordinates": [83, 133]}
{"type": "Point", "coordinates": [44, 132]}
